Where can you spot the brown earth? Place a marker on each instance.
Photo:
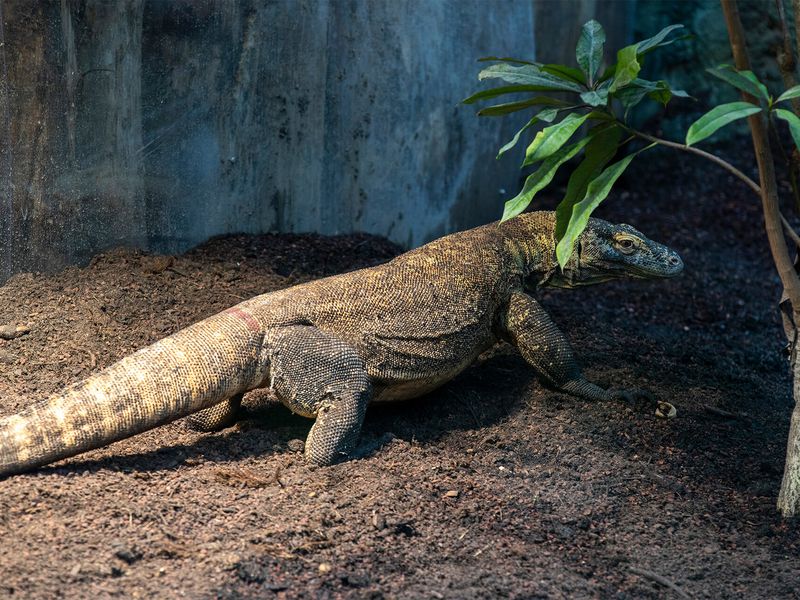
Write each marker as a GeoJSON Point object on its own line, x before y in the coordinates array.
{"type": "Point", "coordinates": [491, 487]}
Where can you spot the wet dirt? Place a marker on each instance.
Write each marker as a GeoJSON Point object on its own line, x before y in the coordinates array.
{"type": "Point", "coordinates": [493, 486]}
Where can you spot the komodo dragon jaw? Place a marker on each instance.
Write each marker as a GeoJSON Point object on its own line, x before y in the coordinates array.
{"type": "Point", "coordinates": [330, 346]}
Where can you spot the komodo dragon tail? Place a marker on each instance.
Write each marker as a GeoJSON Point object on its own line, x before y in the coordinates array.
{"type": "Point", "coordinates": [195, 368]}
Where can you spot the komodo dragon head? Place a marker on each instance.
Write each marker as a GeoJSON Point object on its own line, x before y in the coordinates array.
{"type": "Point", "coordinates": [607, 251]}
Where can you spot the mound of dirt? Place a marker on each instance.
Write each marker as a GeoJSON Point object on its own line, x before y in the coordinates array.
{"type": "Point", "coordinates": [493, 486]}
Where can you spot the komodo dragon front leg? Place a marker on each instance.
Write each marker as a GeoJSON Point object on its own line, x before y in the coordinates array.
{"type": "Point", "coordinates": [547, 350]}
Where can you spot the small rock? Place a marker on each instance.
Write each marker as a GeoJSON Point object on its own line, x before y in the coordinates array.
{"type": "Point", "coordinates": [665, 410]}
{"type": "Point", "coordinates": [356, 581]}
{"type": "Point", "coordinates": [564, 532]}
{"type": "Point", "coordinates": [378, 520]}
{"type": "Point", "coordinates": [229, 560]}
{"type": "Point", "coordinates": [296, 445]}
{"type": "Point", "coordinates": [74, 571]}
{"type": "Point", "coordinates": [125, 552]}
{"type": "Point", "coordinates": [6, 358]}
{"type": "Point", "coordinates": [10, 332]}
{"type": "Point", "coordinates": [451, 494]}
{"type": "Point", "coordinates": [324, 568]}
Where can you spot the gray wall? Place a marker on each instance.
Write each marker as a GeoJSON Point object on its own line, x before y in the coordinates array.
{"type": "Point", "coordinates": [160, 123]}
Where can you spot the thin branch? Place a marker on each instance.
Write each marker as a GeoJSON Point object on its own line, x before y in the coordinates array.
{"type": "Point", "coordinates": [712, 157]}
{"type": "Point", "coordinates": [766, 165]}
{"type": "Point", "coordinates": [796, 13]}
{"type": "Point", "coordinates": [785, 55]}
{"type": "Point", "coordinates": [722, 163]}
{"type": "Point", "coordinates": [786, 63]}
{"type": "Point", "coordinates": [660, 579]}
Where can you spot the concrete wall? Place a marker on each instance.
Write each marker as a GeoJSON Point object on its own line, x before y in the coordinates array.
{"type": "Point", "coordinates": [160, 123]}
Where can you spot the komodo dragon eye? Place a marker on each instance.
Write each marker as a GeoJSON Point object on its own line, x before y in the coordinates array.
{"type": "Point", "coordinates": [625, 244]}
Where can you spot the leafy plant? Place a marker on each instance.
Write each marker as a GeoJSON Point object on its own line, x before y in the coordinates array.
{"type": "Point", "coordinates": [595, 97]}
{"type": "Point", "coordinates": [747, 82]}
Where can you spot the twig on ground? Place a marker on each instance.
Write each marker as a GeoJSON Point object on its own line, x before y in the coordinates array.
{"type": "Point", "coordinates": [725, 413]}
{"type": "Point", "coordinates": [661, 580]}
{"type": "Point", "coordinates": [92, 356]}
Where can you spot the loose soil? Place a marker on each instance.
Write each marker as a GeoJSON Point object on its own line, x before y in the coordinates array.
{"type": "Point", "coordinates": [493, 486]}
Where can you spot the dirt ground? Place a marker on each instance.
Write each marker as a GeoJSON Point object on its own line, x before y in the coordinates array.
{"type": "Point", "coordinates": [492, 486]}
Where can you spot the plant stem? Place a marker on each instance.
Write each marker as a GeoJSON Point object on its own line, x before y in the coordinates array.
{"type": "Point", "coordinates": [766, 165]}
{"type": "Point", "coordinates": [786, 63]}
{"type": "Point", "coordinates": [722, 163]}
{"type": "Point", "coordinates": [691, 149]}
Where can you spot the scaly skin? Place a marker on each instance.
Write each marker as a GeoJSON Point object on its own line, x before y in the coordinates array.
{"type": "Point", "coordinates": [328, 347]}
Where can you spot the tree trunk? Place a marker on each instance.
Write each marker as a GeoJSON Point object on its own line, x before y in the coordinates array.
{"type": "Point", "coordinates": [789, 497]}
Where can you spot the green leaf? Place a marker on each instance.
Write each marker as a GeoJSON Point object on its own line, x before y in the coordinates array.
{"type": "Point", "coordinates": [600, 150]}
{"type": "Point", "coordinates": [717, 117]}
{"type": "Point", "coordinates": [600, 115]}
{"type": "Point", "coordinates": [662, 93]}
{"type": "Point", "coordinates": [681, 94]}
{"type": "Point", "coordinates": [565, 72]}
{"type": "Point", "coordinates": [509, 145]}
{"type": "Point", "coordinates": [589, 50]}
{"type": "Point", "coordinates": [504, 109]}
{"type": "Point", "coordinates": [507, 59]}
{"type": "Point", "coordinates": [550, 139]}
{"type": "Point", "coordinates": [792, 92]}
{"type": "Point", "coordinates": [540, 178]}
{"type": "Point", "coordinates": [657, 40]}
{"type": "Point", "coordinates": [529, 75]}
{"type": "Point", "coordinates": [628, 68]}
{"type": "Point", "coordinates": [634, 92]}
{"type": "Point", "coordinates": [739, 81]}
{"type": "Point", "coordinates": [499, 91]}
{"type": "Point", "coordinates": [793, 121]}
{"type": "Point", "coordinates": [595, 97]}
{"type": "Point", "coordinates": [597, 191]}
{"type": "Point", "coordinates": [752, 77]}
{"type": "Point", "coordinates": [546, 115]}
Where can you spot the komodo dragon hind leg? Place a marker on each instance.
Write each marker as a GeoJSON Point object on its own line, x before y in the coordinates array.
{"type": "Point", "coordinates": [217, 417]}
{"type": "Point", "coordinates": [316, 374]}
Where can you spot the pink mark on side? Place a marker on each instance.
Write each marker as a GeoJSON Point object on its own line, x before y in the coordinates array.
{"type": "Point", "coordinates": [249, 320]}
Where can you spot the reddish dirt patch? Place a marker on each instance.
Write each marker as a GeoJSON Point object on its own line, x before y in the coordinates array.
{"type": "Point", "coordinates": [492, 486]}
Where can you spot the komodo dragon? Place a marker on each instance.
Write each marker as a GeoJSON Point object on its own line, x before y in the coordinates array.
{"type": "Point", "coordinates": [328, 347]}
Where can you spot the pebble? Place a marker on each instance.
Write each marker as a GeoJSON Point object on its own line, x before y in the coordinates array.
{"type": "Point", "coordinates": [296, 445]}
{"type": "Point", "coordinates": [378, 520]}
{"type": "Point", "coordinates": [451, 494]}
{"type": "Point", "coordinates": [10, 332]}
{"type": "Point", "coordinates": [6, 358]}
{"type": "Point", "coordinates": [125, 552]}
{"type": "Point", "coordinates": [324, 568]}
